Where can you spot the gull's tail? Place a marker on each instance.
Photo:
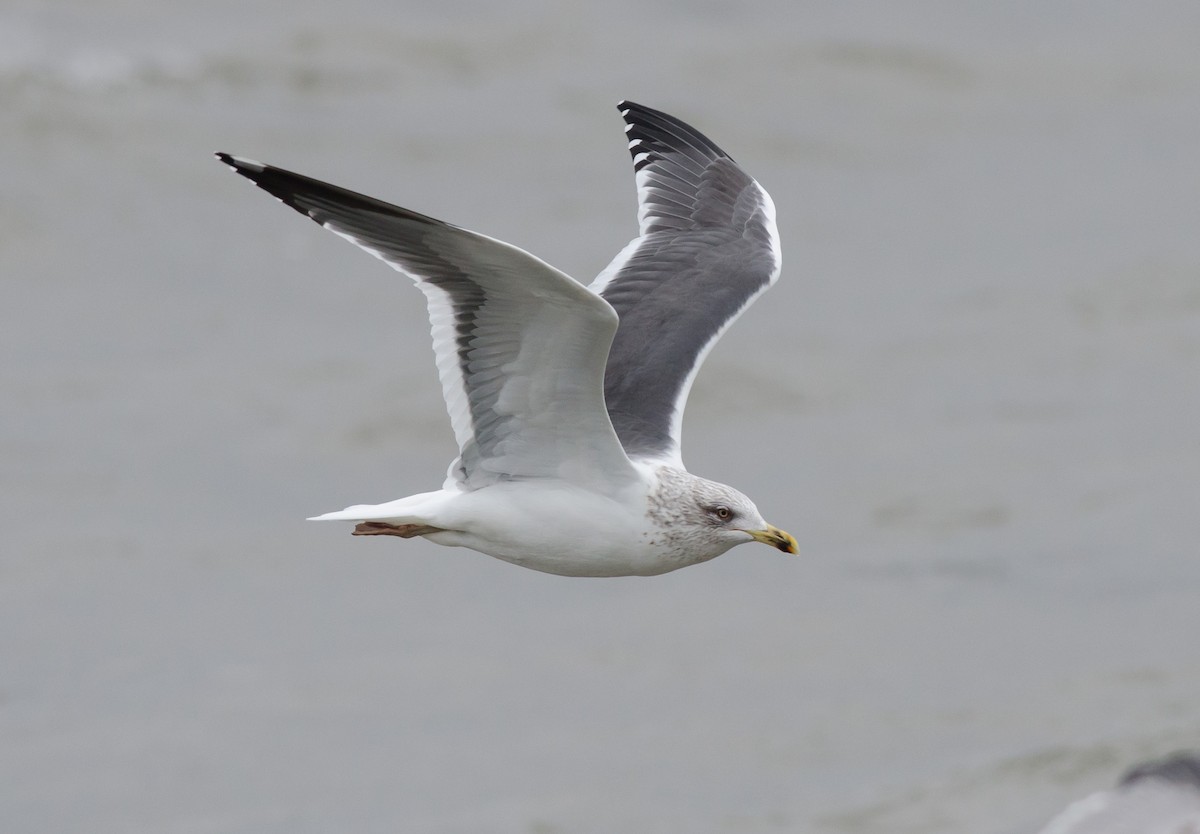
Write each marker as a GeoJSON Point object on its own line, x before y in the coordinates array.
{"type": "Point", "coordinates": [415, 509]}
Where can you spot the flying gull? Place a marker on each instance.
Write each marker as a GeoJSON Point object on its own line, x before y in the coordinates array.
{"type": "Point", "coordinates": [566, 401]}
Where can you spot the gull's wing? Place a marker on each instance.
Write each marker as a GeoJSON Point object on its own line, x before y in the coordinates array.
{"type": "Point", "coordinates": [1156, 797]}
{"type": "Point", "coordinates": [520, 346]}
{"type": "Point", "coordinates": [707, 247]}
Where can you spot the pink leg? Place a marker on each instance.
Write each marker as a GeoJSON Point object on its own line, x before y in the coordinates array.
{"type": "Point", "coordinates": [382, 528]}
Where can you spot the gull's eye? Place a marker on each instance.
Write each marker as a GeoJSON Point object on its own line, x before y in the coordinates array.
{"type": "Point", "coordinates": [722, 512]}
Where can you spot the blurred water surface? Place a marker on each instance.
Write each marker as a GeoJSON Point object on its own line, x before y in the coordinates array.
{"type": "Point", "coordinates": [972, 396]}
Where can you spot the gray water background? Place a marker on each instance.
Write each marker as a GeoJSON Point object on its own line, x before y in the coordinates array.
{"type": "Point", "coordinates": [974, 397]}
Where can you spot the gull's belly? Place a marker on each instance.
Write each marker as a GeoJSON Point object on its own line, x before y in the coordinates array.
{"type": "Point", "coordinates": [558, 529]}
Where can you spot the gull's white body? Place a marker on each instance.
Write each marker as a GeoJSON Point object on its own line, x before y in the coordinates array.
{"type": "Point", "coordinates": [552, 526]}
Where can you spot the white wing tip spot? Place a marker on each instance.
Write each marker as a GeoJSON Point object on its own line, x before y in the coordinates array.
{"type": "Point", "coordinates": [241, 162]}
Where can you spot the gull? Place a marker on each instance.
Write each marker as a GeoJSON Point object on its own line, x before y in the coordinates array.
{"type": "Point", "coordinates": [567, 401]}
{"type": "Point", "coordinates": [1156, 797]}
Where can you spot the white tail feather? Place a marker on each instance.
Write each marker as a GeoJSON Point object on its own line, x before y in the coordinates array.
{"type": "Point", "coordinates": [415, 509]}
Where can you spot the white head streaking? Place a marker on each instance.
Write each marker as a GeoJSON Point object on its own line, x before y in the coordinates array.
{"type": "Point", "coordinates": [566, 401]}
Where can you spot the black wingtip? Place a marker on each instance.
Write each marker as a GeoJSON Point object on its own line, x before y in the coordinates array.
{"type": "Point", "coordinates": [241, 164]}
{"type": "Point", "coordinates": [652, 132]}
{"type": "Point", "coordinates": [627, 106]}
{"type": "Point", "coordinates": [632, 112]}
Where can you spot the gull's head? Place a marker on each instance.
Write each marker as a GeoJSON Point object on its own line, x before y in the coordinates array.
{"type": "Point", "coordinates": [709, 518]}
{"type": "Point", "coordinates": [731, 514]}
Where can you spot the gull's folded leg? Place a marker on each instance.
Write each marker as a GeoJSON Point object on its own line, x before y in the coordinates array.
{"type": "Point", "coordinates": [404, 531]}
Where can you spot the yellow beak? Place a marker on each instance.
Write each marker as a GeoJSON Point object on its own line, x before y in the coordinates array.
{"type": "Point", "coordinates": [776, 538]}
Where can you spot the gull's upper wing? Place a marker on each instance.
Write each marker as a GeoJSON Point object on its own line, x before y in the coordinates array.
{"type": "Point", "coordinates": [707, 247]}
{"type": "Point", "coordinates": [520, 346]}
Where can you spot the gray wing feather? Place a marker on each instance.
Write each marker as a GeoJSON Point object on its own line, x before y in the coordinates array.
{"type": "Point", "coordinates": [707, 247]}
{"type": "Point", "coordinates": [520, 346]}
